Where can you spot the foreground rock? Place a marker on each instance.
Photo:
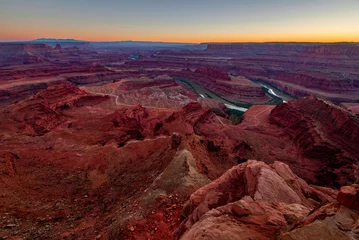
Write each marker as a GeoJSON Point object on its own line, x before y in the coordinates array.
{"type": "Point", "coordinates": [250, 201]}
{"type": "Point", "coordinates": [258, 201]}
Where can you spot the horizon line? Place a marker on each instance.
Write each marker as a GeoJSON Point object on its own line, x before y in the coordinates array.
{"type": "Point", "coordinates": [43, 40]}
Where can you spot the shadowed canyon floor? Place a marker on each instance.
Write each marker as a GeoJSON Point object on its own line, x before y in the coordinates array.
{"type": "Point", "coordinates": [179, 144]}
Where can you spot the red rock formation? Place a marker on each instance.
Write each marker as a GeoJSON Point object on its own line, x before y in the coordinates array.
{"type": "Point", "coordinates": [96, 162]}
{"type": "Point", "coordinates": [325, 134]}
{"type": "Point", "coordinates": [187, 120]}
{"type": "Point", "coordinates": [257, 201]}
{"type": "Point", "coordinates": [127, 172]}
{"type": "Point", "coordinates": [42, 112]}
{"type": "Point", "coordinates": [11, 94]}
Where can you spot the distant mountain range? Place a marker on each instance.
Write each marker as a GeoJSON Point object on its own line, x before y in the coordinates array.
{"type": "Point", "coordinates": [114, 44]}
{"type": "Point", "coordinates": [57, 40]}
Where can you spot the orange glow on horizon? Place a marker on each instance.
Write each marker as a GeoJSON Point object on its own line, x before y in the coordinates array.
{"type": "Point", "coordinates": [112, 38]}
{"type": "Point", "coordinates": [182, 21]}
{"type": "Point", "coordinates": [18, 33]}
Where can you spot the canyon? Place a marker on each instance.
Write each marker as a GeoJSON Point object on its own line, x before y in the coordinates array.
{"type": "Point", "coordinates": [166, 141]}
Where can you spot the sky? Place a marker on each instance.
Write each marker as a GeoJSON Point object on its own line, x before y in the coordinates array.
{"type": "Point", "coordinates": [181, 20]}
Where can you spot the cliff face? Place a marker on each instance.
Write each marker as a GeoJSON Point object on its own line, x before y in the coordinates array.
{"type": "Point", "coordinates": [23, 53]}
{"type": "Point", "coordinates": [323, 132]}
{"type": "Point", "coordinates": [318, 82]}
{"type": "Point", "coordinates": [33, 53]}
{"type": "Point", "coordinates": [310, 49]}
{"type": "Point", "coordinates": [7, 48]}
{"type": "Point", "coordinates": [337, 49]}
{"type": "Point", "coordinates": [256, 48]}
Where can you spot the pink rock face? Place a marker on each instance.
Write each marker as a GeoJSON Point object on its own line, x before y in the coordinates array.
{"type": "Point", "coordinates": [257, 184]}
{"type": "Point", "coordinates": [246, 219]}
{"type": "Point", "coordinates": [349, 196]}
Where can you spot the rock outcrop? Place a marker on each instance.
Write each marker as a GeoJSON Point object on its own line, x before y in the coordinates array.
{"type": "Point", "coordinates": [258, 201]}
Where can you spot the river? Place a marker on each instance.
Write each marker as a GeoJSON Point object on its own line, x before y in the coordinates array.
{"type": "Point", "coordinates": [205, 93]}
{"type": "Point", "coordinates": [274, 91]}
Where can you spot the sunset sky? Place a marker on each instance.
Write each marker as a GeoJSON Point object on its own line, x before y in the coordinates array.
{"type": "Point", "coordinates": [181, 20]}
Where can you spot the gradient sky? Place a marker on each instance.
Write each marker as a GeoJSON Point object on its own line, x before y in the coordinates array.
{"type": "Point", "coordinates": [181, 20]}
